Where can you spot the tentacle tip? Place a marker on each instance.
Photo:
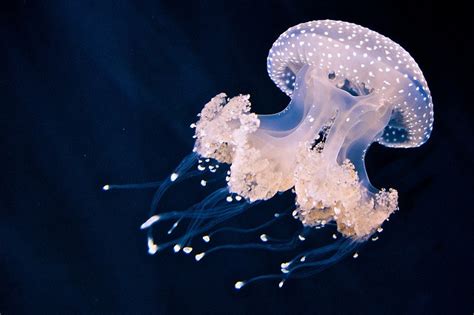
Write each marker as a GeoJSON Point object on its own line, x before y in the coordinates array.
{"type": "Point", "coordinates": [187, 249]}
{"type": "Point", "coordinates": [173, 177]}
{"type": "Point", "coordinates": [176, 248]}
{"type": "Point", "coordinates": [281, 283]}
{"type": "Point", "coordinates": [152, 247]}
{"type": "Point", "coordinates": [206, 238]}
{"type": "Point", "coordinates": [199, 256]}
{"type": "Point", "coordinates": [238, 285]}
{"type": "Point", "coordinates": [150, 222]}
{"type": "Point", "coordinates": [105, 187]}
{"type": "Point", "coordinates": [285, 265]}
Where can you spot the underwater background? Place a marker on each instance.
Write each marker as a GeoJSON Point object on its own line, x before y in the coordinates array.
{"type": "Point", "coordinates": [99, 92]}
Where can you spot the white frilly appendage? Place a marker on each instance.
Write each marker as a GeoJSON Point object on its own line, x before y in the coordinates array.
{"type": "Point", "coordinates": [223, 133]}
{"type": "Point", "coordinates": [333, 192]}
{"type": "Point", "coordinates": [316, 145]}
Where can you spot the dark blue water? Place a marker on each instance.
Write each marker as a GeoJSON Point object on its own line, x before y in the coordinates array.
{"type": "Point", "coordinates": [94, 92]}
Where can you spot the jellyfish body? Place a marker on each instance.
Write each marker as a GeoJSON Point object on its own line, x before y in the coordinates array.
{"type": "Point", "coordinates": [349, 87]}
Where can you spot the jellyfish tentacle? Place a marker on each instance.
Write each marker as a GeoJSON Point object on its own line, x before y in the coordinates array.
{"type": "Point", "coordinates": [308, 263]}
{"type": "Point", "coordinates": [202, 209]}
{"type": "Point", "coordinates": [132, 186]}
{"type": "Point", "coordinates": [277, 216]}
{"type": "Point", "coordinates": [193, 213]}
{"type": "Point", "coordinates": [180, 173]}
{"type": "Point", "coordinates": [182, 168]}
{"type": "Point", "coordinates": [318, 259]}
{"type": "Point", "coordinates": [266, 244]}
{"type": "Point", "coordinates": [211, 211]}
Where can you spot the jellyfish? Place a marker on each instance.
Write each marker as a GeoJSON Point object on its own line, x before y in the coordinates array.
{"type": "Point", "coordinates": [349, 87]}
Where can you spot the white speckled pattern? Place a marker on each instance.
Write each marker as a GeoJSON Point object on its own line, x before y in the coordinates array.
{"type": "Point", "coordinates": [365, 58]}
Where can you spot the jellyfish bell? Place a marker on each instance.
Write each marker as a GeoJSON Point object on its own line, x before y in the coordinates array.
{"type": "Point", "coordinates": [349, 87]}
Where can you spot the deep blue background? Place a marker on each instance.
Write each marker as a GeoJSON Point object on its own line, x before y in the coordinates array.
{"type": "Point", "coordinates": [104, 91]}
